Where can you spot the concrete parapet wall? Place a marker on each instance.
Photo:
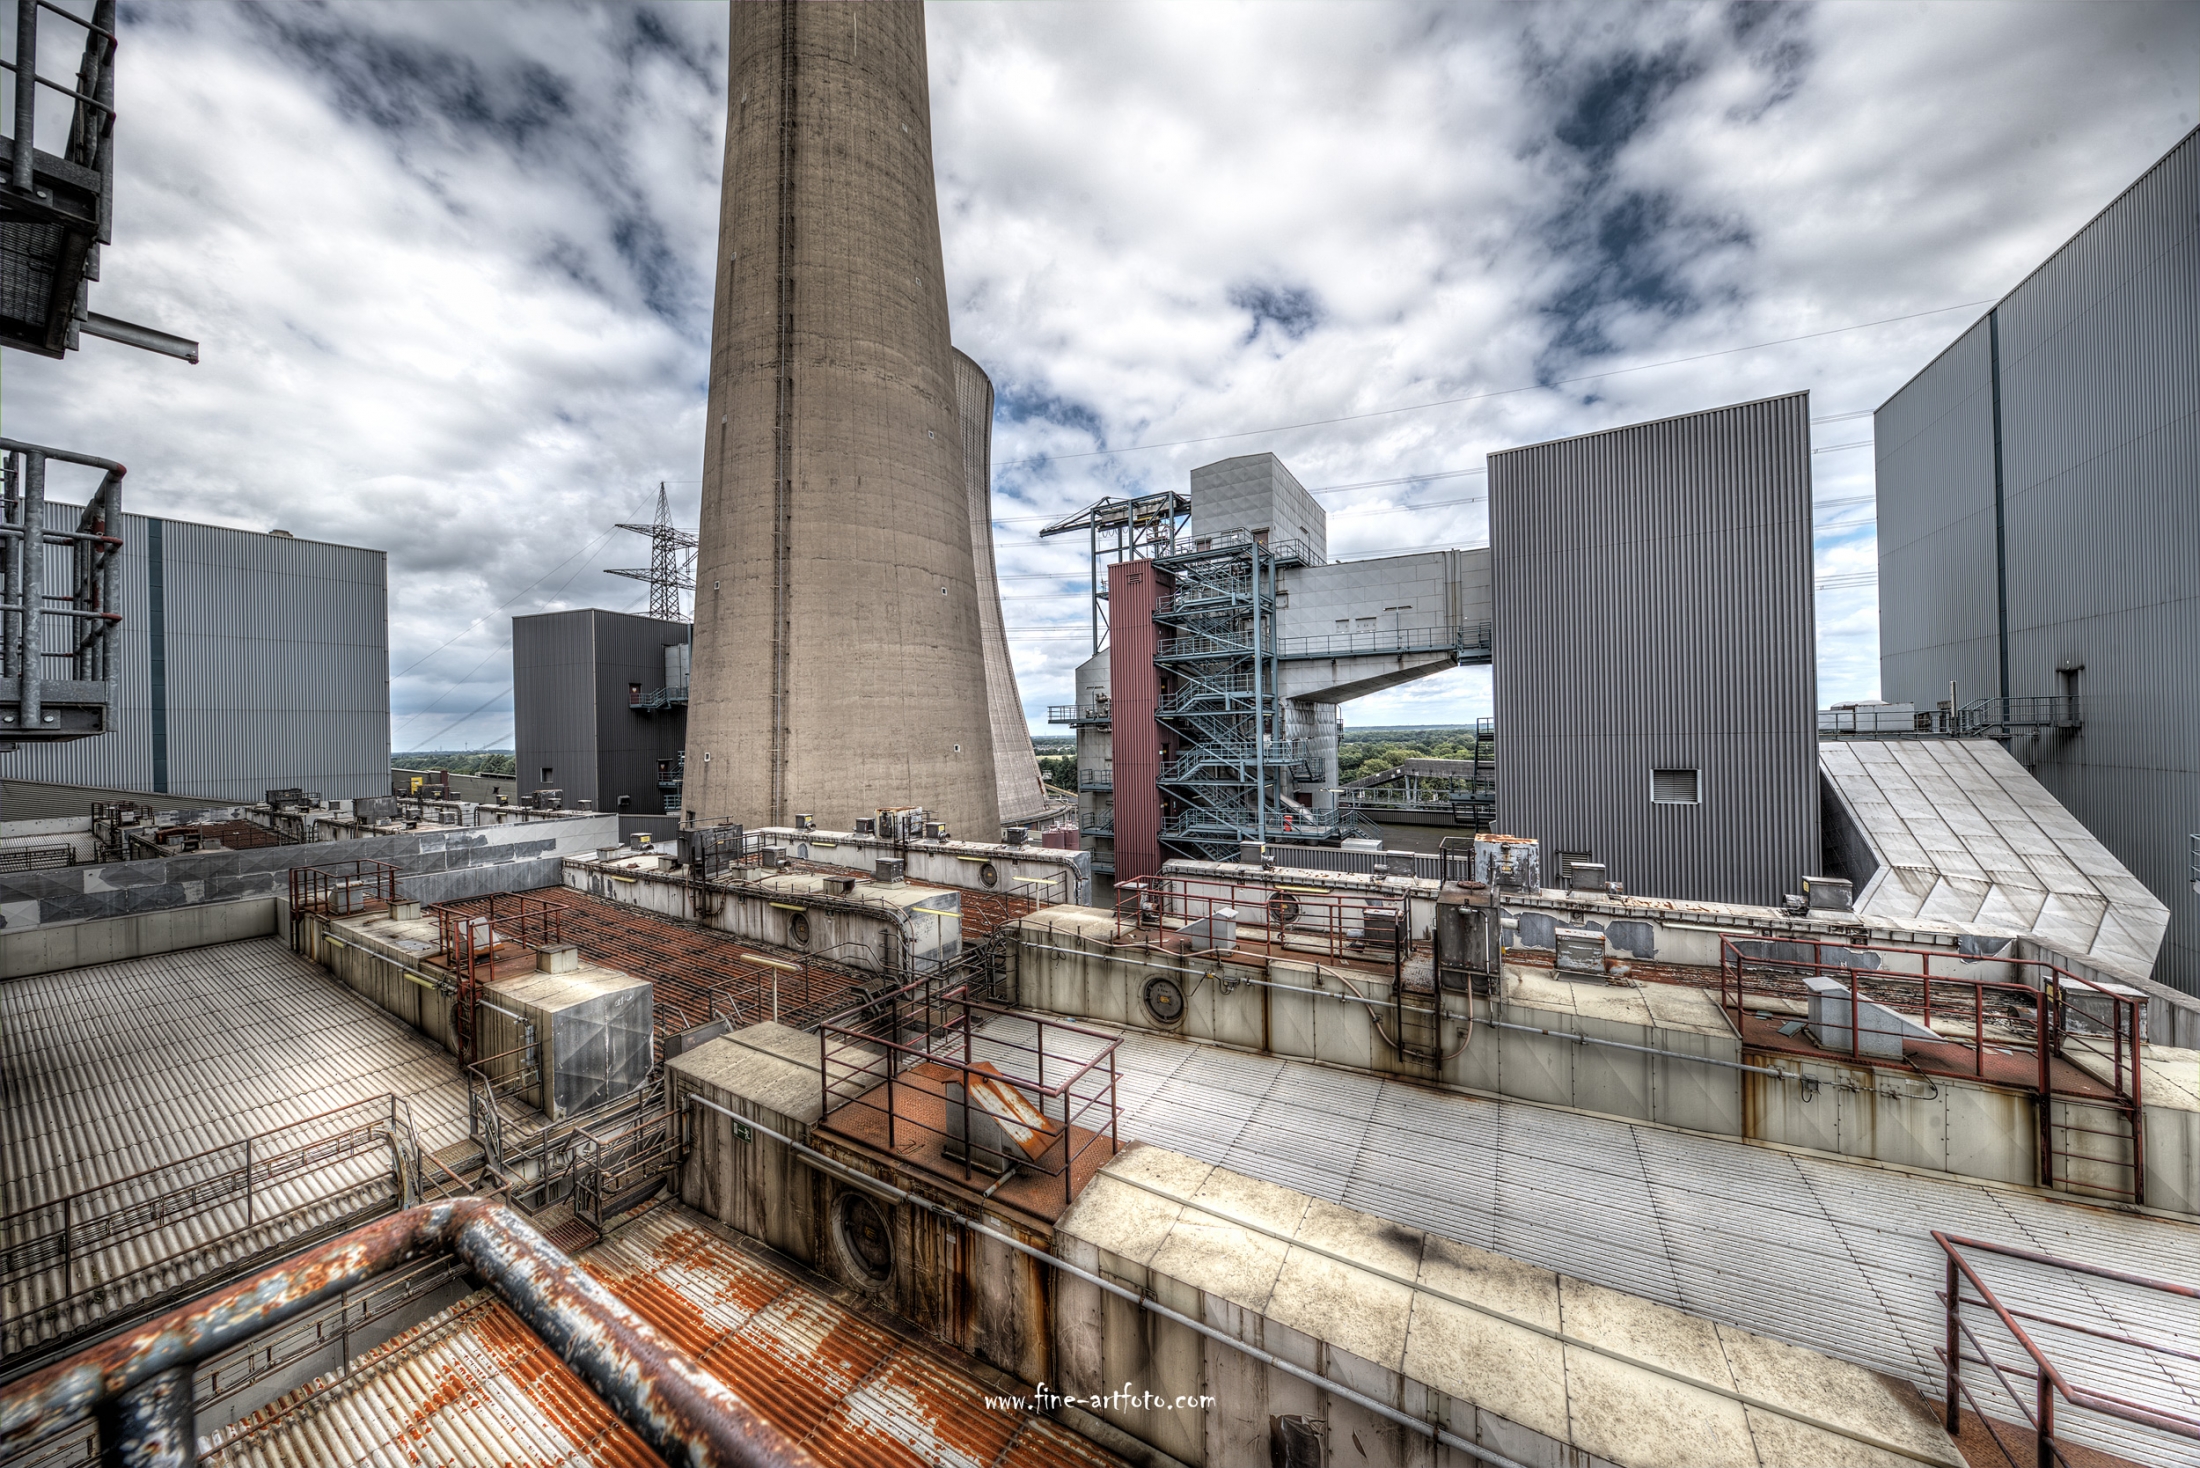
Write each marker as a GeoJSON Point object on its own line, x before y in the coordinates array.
{"type": "Point", "coordinates": [1547, 1370]}
{"type": "Point", "coordinates": [1062, 963]}
{"type": "Point", "coordinates": [436, 864]}
{"type": "Point", "coordinates": [973, 1292]}
{"type": "Point", "coordinates": [1045, 874]}
{"type": "Point", "coordinates": [57, 946]}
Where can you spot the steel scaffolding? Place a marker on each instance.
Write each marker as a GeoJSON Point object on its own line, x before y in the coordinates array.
{"type": "Point", "coordinates": [1229, 778]}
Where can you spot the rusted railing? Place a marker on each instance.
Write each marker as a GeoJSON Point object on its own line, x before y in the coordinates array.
{"type": "Point", "coordinates": [469, 934]}
{"type": "Point", "coordinates": [343, 889]}
{"type": "Point", "coordinates": [2042, 1011]}
{"type": "Point", "coordinates": [69, 1255]}
{"type": "Point", "coordinates": [989, 1080]}
{"type": "Point", "coordinates": [140, 1383]}
{"type": "Point", "coordinates": [2034, 1389]}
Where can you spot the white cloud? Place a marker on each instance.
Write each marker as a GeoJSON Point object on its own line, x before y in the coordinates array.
{"type": "Point", "coordinates": [448, 263]}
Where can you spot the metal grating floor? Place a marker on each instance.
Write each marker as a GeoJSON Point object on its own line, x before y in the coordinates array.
{"type": "Point", "coordinates": [1834, 1256]}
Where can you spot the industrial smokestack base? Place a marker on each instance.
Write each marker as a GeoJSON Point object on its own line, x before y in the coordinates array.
{"type": "Point", "coordinates": [839, 663]}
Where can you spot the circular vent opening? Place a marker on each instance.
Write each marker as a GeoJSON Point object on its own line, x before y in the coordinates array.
{"type": "Point", "coordinates": [1164, 998]}
{"type": "Point", "coordinates": [866, 1240]}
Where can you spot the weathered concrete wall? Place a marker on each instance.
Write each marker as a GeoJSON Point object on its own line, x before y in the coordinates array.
{"type": "Point", "coordinates": [871, 940]}
{"type": "Point", "coordinates": [975, 1292]}
{"type": "Point", "coordinates": [437, 864]}
{"type": "Point", "coordinates": [58, 946]}
{"type": "Point", "coordinates": [1061, 963]}
{"type": "Point", "coordinates": [1043, 873]}
{"type": "Point", "coordinates": [1540, 1367]}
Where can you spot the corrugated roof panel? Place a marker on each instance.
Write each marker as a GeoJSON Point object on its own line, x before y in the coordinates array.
{"type": "Point", "coordinates": [117, 1068]}
{"type": "Point", "coordinates": [858, 1394]}
{"type": "Point", "coordinates": [470, 1386]}
{"type": "Point", "coordinates": [2005, 855]}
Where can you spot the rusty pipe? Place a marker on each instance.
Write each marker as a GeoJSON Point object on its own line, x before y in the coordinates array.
{"type": "Point", "coordinates": [685, 1415]}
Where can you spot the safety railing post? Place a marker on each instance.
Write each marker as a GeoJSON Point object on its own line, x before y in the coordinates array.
{"type": "Point", "coordinates": [248, 1182]}
{"type": "Point", "coordinates": [2044, 1420]}
{"type": "Point", "coordinates": [1954, 1414]}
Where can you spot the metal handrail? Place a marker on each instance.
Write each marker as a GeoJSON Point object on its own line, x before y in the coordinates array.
{"type": "Point", "coordinates": [2055, 1018]}
{"type": "Point", "coordinates": [1468, 637]}
{"type": "Point", "coordinates": [2047, 1379]}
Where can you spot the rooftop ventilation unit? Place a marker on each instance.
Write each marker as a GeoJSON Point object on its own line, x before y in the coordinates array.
{"type": "Point", "coordinates": [1580, 953]}
{"type": "Point", "coordinates": [890, 869]}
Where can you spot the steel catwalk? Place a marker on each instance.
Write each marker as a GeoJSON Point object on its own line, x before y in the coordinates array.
{"type": "Point", "coordinates": [839, 665]}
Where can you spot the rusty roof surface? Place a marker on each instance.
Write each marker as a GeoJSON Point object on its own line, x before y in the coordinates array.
{"type": "Point", "coordinates": [856, 1393]}
{"type": "Point", "coordinates": [471, 1385]}
{"type": "Point", "coordinates": [689, 967]}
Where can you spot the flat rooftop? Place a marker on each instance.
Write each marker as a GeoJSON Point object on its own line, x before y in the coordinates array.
{"type": "Point", "coordinates": [1832, 1255]}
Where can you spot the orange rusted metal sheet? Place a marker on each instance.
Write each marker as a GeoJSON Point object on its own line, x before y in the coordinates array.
{"type": "Point", "coordinates": [1018, 1115]}
{"type": "Point", "coordinates": [856, 1394]}
{"type": "Point", "coordinates": [470, 1385]}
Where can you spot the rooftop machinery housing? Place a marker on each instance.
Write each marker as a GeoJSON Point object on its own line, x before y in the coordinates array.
{"type": "Point", "coordinates": [2037, 531]}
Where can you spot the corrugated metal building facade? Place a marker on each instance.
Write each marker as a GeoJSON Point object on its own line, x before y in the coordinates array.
{"type": "Point", "coordinates": [2090, 371]}
{"type": "Point", "coordinates": [249, 662]}
{"type": "Point", "coordinates": [576, 677]}
{"type": "Point", "coordinates": [1653, 613]}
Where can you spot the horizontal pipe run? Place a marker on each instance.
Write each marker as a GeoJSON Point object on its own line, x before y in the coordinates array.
{"type": "Point", "coordinates": [148, 338]}
{"type": "Point", "coordinates": [685, 1415]}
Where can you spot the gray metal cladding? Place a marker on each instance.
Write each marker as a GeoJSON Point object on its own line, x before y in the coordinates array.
{"type": "Point", "coordinates": [2100, 396]}
{"type": "Point", "coordinates": [1937, 612]}
{"type": "Point", "coordinates": [1653, 609]}
{"type": "Point", "coordinates": [277, 670]}
{"type": "Point", "coordinates": [573, 674]}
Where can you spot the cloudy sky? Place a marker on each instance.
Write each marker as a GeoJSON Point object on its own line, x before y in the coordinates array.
{"type": "Point", "coordinates": [448, 264]}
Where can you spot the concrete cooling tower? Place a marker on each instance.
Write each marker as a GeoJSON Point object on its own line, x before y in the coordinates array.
{"type": "Point", "coordinates": [1015, 765]}
{"type": "Point", "coordinates": [839, 651]}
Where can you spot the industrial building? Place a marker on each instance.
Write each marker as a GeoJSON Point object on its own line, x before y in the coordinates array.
{"type": "Point", "coordinates": [2037, 520]}
{"type": "Point", "coordinates": [248, 661]}
{"type": "Point", "coordinates": [839, 649]}
{"type": "Point", "coordinates": [599, 709]}
{"type": "Point", "coordinates": [427, 1131]}
{"type": "Point", "coordinates": [1210, 716]}
{"type": "Point", "coordinates": [1656, 666]}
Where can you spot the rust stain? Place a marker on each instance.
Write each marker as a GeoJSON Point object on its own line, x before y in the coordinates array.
{"type": "Point", "coordinates": [563, 1398]}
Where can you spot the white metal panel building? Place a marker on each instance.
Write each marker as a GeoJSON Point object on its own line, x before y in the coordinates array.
{"type": "Point", "coordinates": [250, 662]}
{"type": "Point", "coordinates": [2039, 532]}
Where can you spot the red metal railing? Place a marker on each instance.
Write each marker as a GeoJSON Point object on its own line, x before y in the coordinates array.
{"type": "Point", "coordinates": [473, 935]}
{"type": "Point", "coordinates": [469, 935]}
{"type": "Point", "coordinates": [1305, 921]}
{"type": "Point", "coordinates": [2034, 1389]}
{"type": "Point", "coordinates": [2042, 1010]}
{"type": "Point", "coordinates": [342, 889]}
{"type": "Point", "coordinates": [981, 1048]}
